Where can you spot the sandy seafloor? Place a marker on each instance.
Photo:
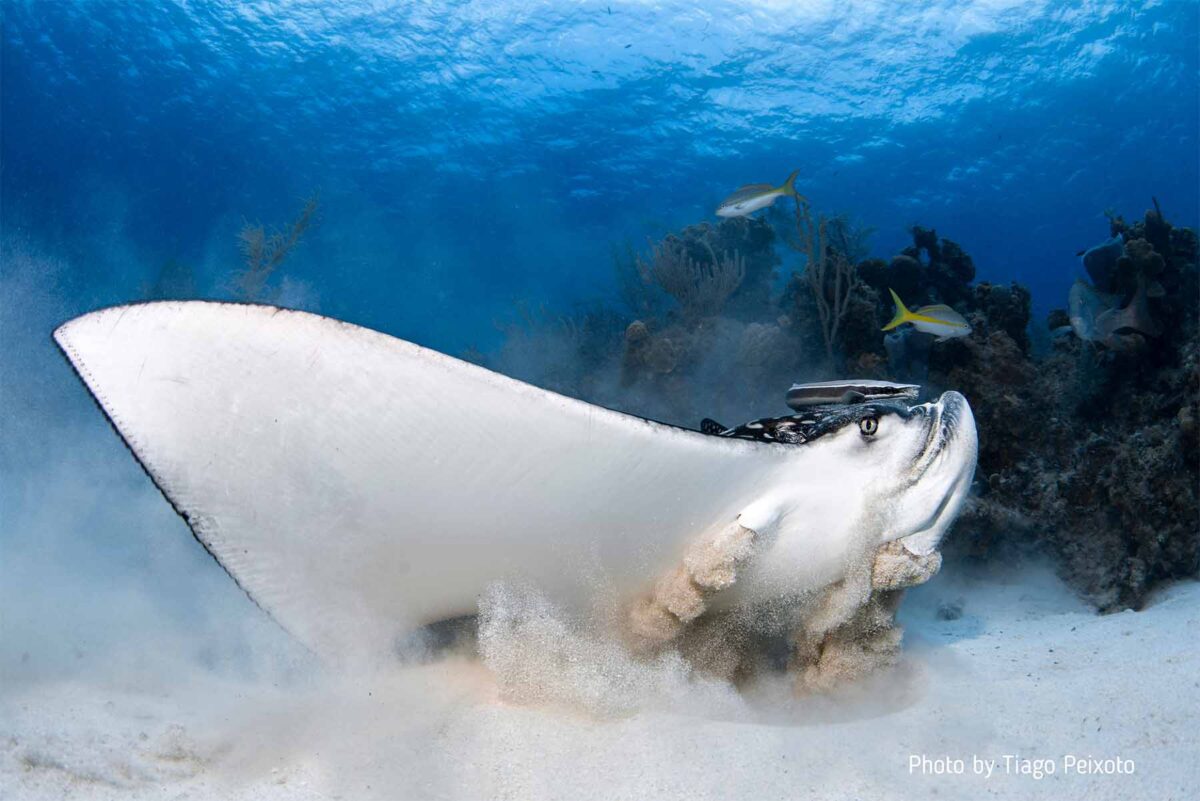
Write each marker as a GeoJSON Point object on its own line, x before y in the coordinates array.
{"type": "Point", "coordinates": [1027, 671]}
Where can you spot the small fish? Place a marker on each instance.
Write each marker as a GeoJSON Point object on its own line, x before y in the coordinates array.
{"type": "Point", "coordinates": [752, 197]}
{"type": "Point", "coordinates": [825, 393]}
{"type": "Point", "coordinates": [938, 319]}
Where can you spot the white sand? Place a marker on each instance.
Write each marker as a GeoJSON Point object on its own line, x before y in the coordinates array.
{"type": "Point", "coordinates": [1026, 671]}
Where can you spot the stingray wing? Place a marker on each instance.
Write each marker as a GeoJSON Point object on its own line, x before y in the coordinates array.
{"type": "Point", "coordinates": [356, 485]}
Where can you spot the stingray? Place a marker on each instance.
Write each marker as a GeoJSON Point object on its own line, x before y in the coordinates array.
{"type": "Point", "coordinates": [357, 486]}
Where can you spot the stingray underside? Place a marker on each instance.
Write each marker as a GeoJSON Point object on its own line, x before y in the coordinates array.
{"type": "Point", "coordinates": [357, 485]}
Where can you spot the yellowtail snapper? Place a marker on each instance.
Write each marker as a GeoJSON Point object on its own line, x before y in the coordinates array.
{"type": "Point", "coordinates": [752, 197]}
{"type": "Point", "coordinates": [938, 319]}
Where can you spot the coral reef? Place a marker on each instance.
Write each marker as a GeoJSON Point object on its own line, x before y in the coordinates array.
{"type": "Point", "coordinates": [1089, 448]}
{"type": "Point", "coordinates": [699, 287]}
{"type": "Point", "coordinates": [720, 324]}
{"type": "Point", "coordinates": [568, 353]}
{"type": "Point", "coordinates": [828, 270]}
{"type": "Point", "coordinates": [1090, 452]}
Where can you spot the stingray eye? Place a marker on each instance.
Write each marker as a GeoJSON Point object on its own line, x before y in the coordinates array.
{"type": "Point", "coordinates": [868, 425]}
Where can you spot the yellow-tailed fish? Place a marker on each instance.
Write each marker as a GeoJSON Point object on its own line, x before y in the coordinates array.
{"type": "Point", "coordinates": [938, 319]}
{"type": "Point", "coordinates": [752, 197]}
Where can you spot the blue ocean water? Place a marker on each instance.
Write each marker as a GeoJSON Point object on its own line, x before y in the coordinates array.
{"type": "Point", "coordinates": [469, 155]}
{"type": "Point", "coordinates": [481, 178]}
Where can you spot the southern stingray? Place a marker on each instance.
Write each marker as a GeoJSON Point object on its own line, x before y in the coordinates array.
{"type": "Point", "coordinates": [358, 486]}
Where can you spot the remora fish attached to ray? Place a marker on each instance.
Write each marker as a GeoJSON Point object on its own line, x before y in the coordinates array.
{"type": "Point", "coordinates": [357, 485]}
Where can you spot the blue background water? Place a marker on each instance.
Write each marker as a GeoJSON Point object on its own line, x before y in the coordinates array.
{"type": "Point", "coordinates": [471, 154]}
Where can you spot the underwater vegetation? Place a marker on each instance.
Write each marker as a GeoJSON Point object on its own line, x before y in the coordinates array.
{"type": "Point", "coordinates": [258, 279]}
{"type": "Point", "coordinates": [699, 287]}
{"type": "Point", "coordinates": [829, 271]}
{"type": "Point", "coordinates": [263, 251]}
{"type": "Point", "coordinates": [1089, 446]}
